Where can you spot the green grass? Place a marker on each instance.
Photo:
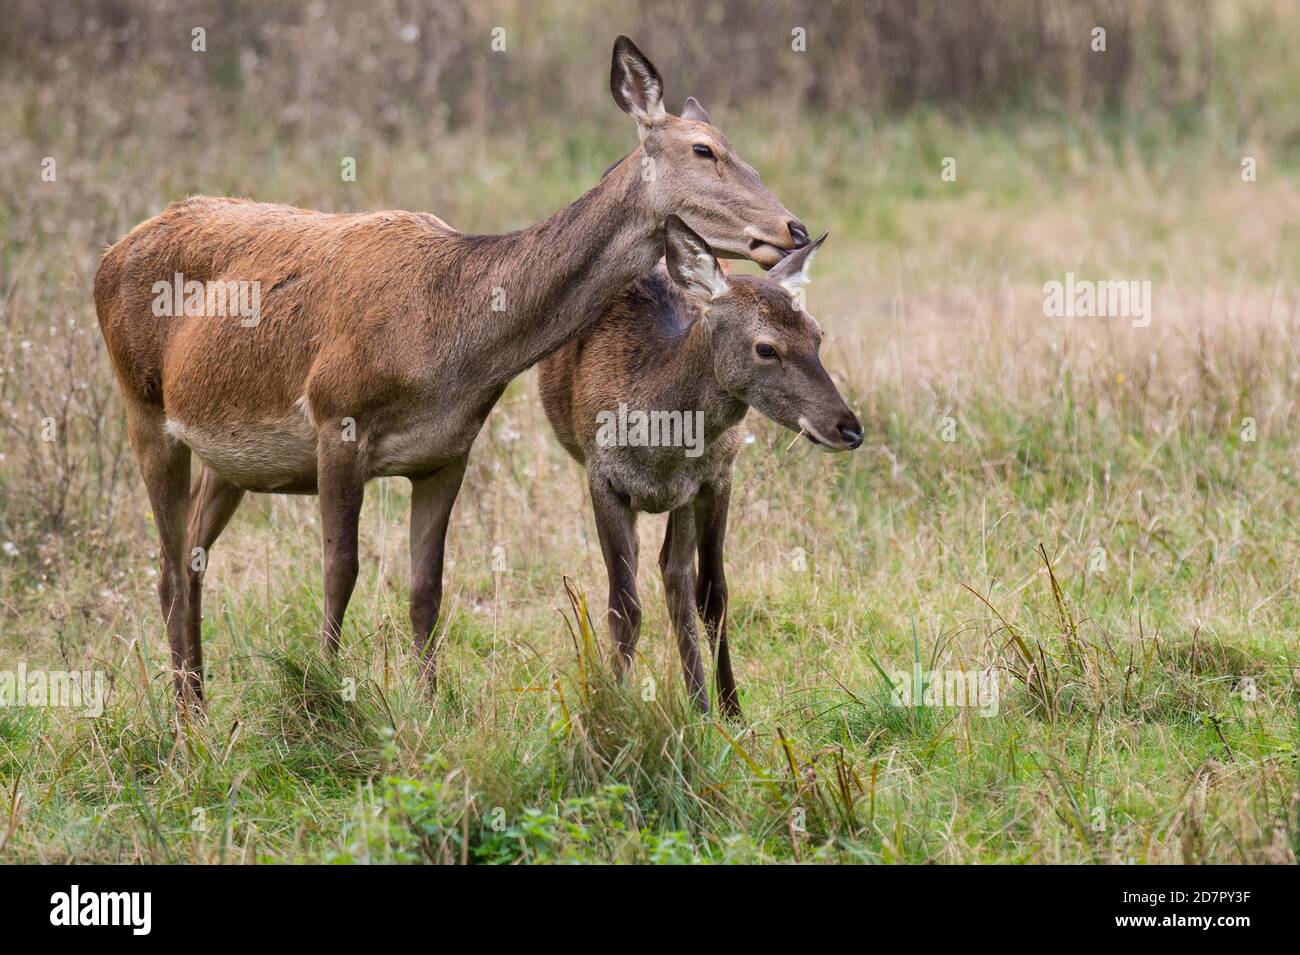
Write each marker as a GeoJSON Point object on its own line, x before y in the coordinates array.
{"type": "Point", "coordinates": [1144, 714]}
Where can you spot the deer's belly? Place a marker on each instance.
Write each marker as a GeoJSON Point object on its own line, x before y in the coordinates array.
{"type": "Point", "coordinates": [276, 455]}
{"type": "Point", "coordinates": [279, 455]}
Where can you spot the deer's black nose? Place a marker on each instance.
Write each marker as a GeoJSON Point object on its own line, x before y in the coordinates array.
{"type": "Point", "coordinates": [851, 432]}
{"type": "Point", "coordinates": [798, 233]}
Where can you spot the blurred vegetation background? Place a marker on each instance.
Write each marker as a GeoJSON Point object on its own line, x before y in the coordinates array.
{"type": "Point", "coordinates": [396, 67]}
{"type": "Point", "coordinates": [400, 68]}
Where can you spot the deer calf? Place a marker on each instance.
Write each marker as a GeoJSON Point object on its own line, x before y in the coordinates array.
{"type": "Point", "coordinates": [690, 348]}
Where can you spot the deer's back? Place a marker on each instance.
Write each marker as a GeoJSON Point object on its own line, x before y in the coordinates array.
{"type": "Point", "coordinates": [319, 277]}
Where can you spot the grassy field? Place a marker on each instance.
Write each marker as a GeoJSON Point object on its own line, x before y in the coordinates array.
{"type": "Point", "coordinates": [1102, 516]}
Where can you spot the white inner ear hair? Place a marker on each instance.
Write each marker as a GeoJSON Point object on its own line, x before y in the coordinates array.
{"type": "Point", "coordinates": [705, 272]}
{"type": "Point", "coordinates": [793, 283]}
{"type": "Point", "coordinates": [641, 102]}
{"type": "Point", "coordinates": [718, 281]}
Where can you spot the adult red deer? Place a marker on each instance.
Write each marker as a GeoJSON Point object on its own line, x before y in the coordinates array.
{"type": "Point", "coordinates": [689, 349]}
{"type": "Point", "coordinates": [383, 341]}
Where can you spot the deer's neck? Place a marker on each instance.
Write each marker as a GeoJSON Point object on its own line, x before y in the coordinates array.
{"type": "Point", "coordinates": [550, 281]}
{"type": "Point", "coordinates": [691, 384]}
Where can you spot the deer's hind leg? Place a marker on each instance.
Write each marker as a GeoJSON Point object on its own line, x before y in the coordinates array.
{"type": "Point", "coordinates": [212, 503]}
{"type": "Point", "coordinates": [165, 467]}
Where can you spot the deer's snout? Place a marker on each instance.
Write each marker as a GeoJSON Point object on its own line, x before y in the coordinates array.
{"type": "Point", "coordinates": [850, 431]}
{"type": "Point", "coordinates": [846, 434]}
{"type": "Point", "coordinates": [781, 237]}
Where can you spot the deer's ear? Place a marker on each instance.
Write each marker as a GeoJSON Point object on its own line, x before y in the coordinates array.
{"type": "Point", "coordinates": [637, 87]}
{"type": "Point", "coordinates": [695, 112]}
{"type": "Point", "coordinates": [691, 262]}
{"type": "Point", "coordinates": [792, 271]}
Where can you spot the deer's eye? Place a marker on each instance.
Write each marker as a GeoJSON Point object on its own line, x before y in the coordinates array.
{"type": "Point", "coordinates": [703, 150]}
{"type": "Point", "coordinates": [765, 351]}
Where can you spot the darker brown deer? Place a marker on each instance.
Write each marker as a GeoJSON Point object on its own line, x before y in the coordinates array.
{"type": "Point", "coordinates": [651, 398]}
{"type": "Point", "coordinates": [382, 343]}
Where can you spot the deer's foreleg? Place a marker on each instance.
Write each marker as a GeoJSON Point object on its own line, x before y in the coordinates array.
{"type": "Point", "coordinates": [432, 498]}
{"type": "Point", "coordinates": [616, 526]}
{"type": "Point", "coordinates": [341, 484]}
{"type": "Point", "coordinates": [711, 588]}
{"type": "Point", "coordinates": [677, 562]}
